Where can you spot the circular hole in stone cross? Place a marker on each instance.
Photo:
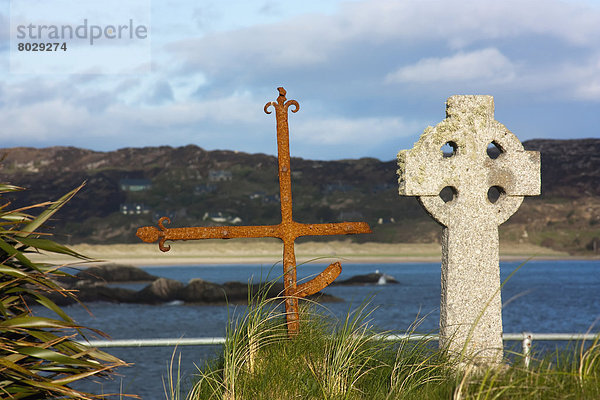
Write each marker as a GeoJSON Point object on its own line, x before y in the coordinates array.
{"type": "Point", "coordinates": [494, 150]}
{"type": "Point", "coordinates": [495, 193]}
{"type": "Point", "coordinates": [448, 194]}
{"type": "Point", "coordinates": [449, 149]}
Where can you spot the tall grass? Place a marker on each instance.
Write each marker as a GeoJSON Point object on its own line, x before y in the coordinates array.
{"type": "Point", "coordinates": [347, 355]}
{"type": "Point", "coordinates": [347, 359]}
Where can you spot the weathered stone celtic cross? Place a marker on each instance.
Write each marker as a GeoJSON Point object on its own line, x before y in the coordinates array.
{"type": "Point", "coordinates": [471, 308]}
{"type": "Point", "coordinates": [288, 230]}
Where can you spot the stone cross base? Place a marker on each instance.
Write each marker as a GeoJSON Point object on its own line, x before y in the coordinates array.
{"type": "Point", "coordinates": [471, 308]}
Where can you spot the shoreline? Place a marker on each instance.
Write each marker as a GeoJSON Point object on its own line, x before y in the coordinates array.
{"type": "Point", "coordinates": [269, 252]}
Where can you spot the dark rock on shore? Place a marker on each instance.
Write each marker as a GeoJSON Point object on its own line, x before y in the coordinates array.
{"type": "Point", "coordinates": [107, 273]}
{"type": "Point", "coordinates": [115, 273]}
{"type": "Point", "coordinates": [162, 290]}
{"type": "Point", "coordinates": [374, 278]}
{"type": "Point", "coordinates": [88, 294]}
{"type": "Point", "coordinates": [201, 291]}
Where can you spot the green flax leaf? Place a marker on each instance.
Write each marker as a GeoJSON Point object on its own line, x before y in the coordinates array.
{"type": "Point", "coordinates": [13, 252]}
{"type": "Point", "coordinates": [5, 188]}
{"type": "Point", "coordinates": [49, 245]}
{"type": "Point", "coordinates": [49, 212]}
{"type": "Point", "coordinates": [50, 355]}
{"type": "Point", "coordinates": [28, 321]}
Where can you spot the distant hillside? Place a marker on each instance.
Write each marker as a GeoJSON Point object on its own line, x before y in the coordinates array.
{"type": "Point", "coordinates": [132, 187]}
{"type": "Point", "coordinates": [570, 168]}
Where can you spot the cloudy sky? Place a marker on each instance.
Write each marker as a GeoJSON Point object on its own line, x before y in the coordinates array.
{"type": "Point", "coordinates": [369, 75]}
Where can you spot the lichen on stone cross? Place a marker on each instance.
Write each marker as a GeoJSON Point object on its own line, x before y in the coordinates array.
{"type": "Point", "coordinates": [467, 177]}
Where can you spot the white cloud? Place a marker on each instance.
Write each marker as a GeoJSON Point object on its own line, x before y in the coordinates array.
{"type": "Point", "coordinates": [236, 121]}
{"type": "Point", "coordinates": [4, 29]}
{"type": "Point", "coordinates": [368, 69]}
{"type": "Point", "coordinates": [54, 119]}
{"type": "Point", "coordinates": [463, 22]}
{"type": "Point", "coordinates": [488, 65]}
{"type": "Point", "coordinates": [162, 92]}
{"type": "Point", "coordinates": [237, 108]}
{"type": "Point", "coordinates": [57, 119]}
{"type": "Point", "coordinates": [455, 23]}
{"type": "Point", "coordinates": [586, 79]}
{"type": "Point", "coordinates": [353, 131]}
{"type": "Point", "coordinates": [502, 45]}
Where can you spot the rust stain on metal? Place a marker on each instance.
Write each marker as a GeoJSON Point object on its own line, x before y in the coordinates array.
{"type": "Point", "coordinates": [288, 230]}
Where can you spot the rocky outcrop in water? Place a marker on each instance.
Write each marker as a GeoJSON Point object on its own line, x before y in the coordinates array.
{"type": "Point", "coordinates": [108, 273]}
{"type": "Point", "coordinates": [160, 291]}
{"type": "Point", "coordinates": [163, 290]}
{"type": "Point", "coordinates": [374, 278]}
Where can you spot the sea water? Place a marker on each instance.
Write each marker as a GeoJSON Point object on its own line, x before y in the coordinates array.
{"type": "Point", "coordinates": [541, 296]}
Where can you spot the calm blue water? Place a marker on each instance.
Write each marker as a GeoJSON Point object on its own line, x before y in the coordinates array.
{"type": "Point", "coordinates": [543, 296]}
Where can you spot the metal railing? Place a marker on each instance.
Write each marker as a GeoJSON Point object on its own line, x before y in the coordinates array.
{"type": "Point", "coordinates": [169, 342]}
{"type": "Point", "coordinates": [526, 339]}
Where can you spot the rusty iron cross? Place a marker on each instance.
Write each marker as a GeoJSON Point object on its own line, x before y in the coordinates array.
{"type": "Point", "coordinates": [288, 230]}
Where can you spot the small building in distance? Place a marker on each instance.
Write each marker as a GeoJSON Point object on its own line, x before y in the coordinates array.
{"type": "Point", "coordinates": [204, 188]}
{"type": "Point", "coordinates": [351, 216]}
{"type": "Point", "coordinates": [338, 187]}
{"type": "Point", "coordinates": [133, 209]}
{"type": "Point", "coordinates": [134, 185]}
{"type": "Point", "coordinates": [221, 218]}
{"type": "Point", "coordinates": [219, 175]}
{"type": "Point", "coordinates": [382, 187]}
{"type": "Point", "coordinates": [272, 198]}
{"type": "Point", "coordinates": [257, 195]}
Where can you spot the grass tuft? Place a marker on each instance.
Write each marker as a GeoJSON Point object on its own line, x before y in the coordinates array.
{"type": "Point", "coordinates": [347, 359]}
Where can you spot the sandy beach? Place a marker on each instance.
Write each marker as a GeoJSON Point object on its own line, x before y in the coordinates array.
{"type": "Point", "coordinates": [269, 251]}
